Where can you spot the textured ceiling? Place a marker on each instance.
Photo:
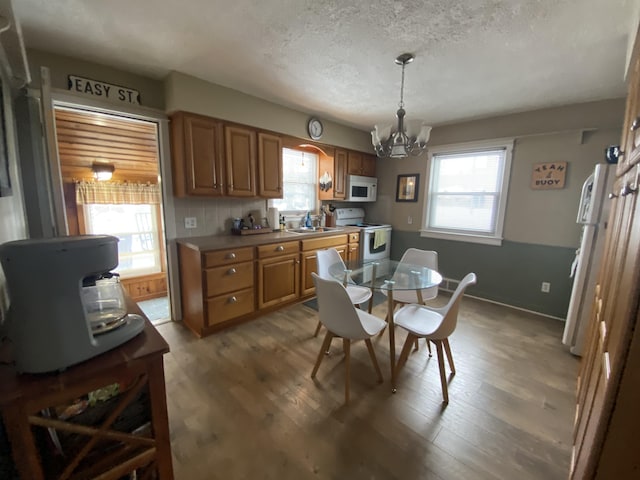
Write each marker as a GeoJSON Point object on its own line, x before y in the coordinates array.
{"type": "Point", "coordinates": [334, 58]}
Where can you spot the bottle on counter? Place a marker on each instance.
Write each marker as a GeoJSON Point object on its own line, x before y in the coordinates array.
{"type": "Point", "coordinates": [282, 223]}
{"type": "Point", "coordinates": [307, 221]}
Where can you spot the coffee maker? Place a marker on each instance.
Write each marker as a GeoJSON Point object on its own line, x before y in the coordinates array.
{"type": "Point", "coordinates": [55, 288]}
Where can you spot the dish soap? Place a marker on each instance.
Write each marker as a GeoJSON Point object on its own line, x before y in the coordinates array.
{"type": "Point", "coordinates": [307, 221]}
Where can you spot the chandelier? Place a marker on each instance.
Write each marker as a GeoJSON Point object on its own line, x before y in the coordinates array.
{"type": "Point", "coordinates": [405, 140]}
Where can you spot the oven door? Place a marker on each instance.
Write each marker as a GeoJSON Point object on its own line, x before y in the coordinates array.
{"type": "Point", "coordinates": [376, 246]}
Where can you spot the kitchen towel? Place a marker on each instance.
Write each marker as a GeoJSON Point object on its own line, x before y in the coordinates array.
{"type": "Point", "coordinates": [379, 238]}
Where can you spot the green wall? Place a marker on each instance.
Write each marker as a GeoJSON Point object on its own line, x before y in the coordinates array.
{"type": "Point", "coordinates": [511, 274]}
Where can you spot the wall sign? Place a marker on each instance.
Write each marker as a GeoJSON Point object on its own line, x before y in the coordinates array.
{"type": "Point", "coordinates": [107, 91]}
{"type": "Point", "coordinates": [548, 175]}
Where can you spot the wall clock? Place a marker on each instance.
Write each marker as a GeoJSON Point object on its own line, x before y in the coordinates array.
{"type": "Point", "coordinates": [315, 128]}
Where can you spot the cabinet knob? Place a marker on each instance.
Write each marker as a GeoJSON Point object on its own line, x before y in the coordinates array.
{"type": "Point", "coordinates": [627, 190]}
{"type": "Point", "coordinates": [231, 256]}
{"type": "Point", "coordinates": [233, 300]}
{"type": "Point", "coordinates": [231, 271]}
{"type": "Point", "coordinates": [636, 124]}
{"type": "Point", "coordinates": [279, 248]}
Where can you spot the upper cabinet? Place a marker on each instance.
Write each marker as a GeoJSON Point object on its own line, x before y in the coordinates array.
{"type": "Point", "coordinates": [630, 143]}
{"type": "Point", "coordinates": [270, 183]}
{"type": "Point", "coordinates": [240, 149]}
{"type": "Point", "coordinates": [340, 174]}
{"type": "Point", "coordinates": [196, 150]}
{"type": "Point", "coordinates": [214, 158]}
{"type": "Point", "coordinates": [361, 164]}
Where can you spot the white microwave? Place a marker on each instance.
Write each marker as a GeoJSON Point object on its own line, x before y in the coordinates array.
{"type": "Point", "coordinates": [361, 189]}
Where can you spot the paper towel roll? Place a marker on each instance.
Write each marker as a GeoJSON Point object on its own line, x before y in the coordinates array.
{"type": "Point", "coordinates": [273, 217]}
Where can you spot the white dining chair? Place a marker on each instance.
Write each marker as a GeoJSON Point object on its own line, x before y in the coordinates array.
{"type": "Point", "coordinates": [357, 294]}
{"type": "Point", "coordinates": [435, 325]}
{"type": "Point", "coordinates": [339, 315]}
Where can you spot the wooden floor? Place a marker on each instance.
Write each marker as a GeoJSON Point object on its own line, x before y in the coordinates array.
{"type": "Point", "coordinates": [242, 404]}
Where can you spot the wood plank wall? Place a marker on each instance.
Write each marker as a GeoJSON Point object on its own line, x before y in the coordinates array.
{"type": "Point", "coordinates": [130, 146]}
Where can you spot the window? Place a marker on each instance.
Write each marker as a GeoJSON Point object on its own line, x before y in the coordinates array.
{"type": "Point", "coordinates": [137, 228]}
{"type": "Point", "coordinates": [300, 172]}
{"type": "Point", "coordinates": [467, 192]}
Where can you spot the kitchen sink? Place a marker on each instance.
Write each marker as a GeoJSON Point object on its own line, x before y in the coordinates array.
{"type": "Point", "coordinates": [314, 229]}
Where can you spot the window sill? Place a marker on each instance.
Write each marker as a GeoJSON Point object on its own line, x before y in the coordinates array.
{"type": "Point", "coordinates": [462, 237]}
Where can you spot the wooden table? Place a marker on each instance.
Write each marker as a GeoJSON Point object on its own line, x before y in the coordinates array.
{"type": "Point", "coordinates": [387, 276]}
{"type": "Point", "coordinates": [106, 453]}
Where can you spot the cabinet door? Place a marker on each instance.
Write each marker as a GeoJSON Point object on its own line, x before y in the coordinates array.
{"type": "Point", "coordinates": [369, 165]}
{"type": "Point", "coordinates": [354, 163]}
{"type": "Point", "coordinates": [353, 252]}
{"type": "Point", "coordinates": [340, 174]}
{"type": "Point", "coordinates": [630, 142]}
{"type": "Point", "coordinates": [278, 280]}
{"type": "Point", "coordinates": [309, 265]}
{"type": "Point", "coordinates": [240, 148]}
{"type": "Point", "coordinates": [197, 156]}
{"type": "Point", "coordinates": [269, 166]}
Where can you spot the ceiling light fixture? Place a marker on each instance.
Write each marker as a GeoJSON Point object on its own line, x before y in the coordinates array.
{"type": "Point", "coordinates": [102, 171]}
{"type": "Point", "coordinates": [402, 142]}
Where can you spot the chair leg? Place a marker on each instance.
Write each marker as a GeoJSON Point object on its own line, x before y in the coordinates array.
{"type": "Point", "coordinates": [347, 359]}
{"type": "Point", "coordinates": [374, 360]}
{"type": "Point", "coordinates": [404, 354]}
{"type": "Point", "coordinates": [416, 346]}
{"type": "Point", "coordinates": [370, 304]}
{"type": "Point", "coordinates": [318, 329]}
{"type": "Point", "coordinates": [443, 377]}
{"type": "Point", "coordinates": [447, 350]}
{"type": "Point", "coordinates": [323, 348]}
{"type": "Point", "coordinates": [429, 347]}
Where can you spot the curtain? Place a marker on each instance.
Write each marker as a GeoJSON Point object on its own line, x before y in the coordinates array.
{"type": "Point", "coordinates": [117, 193]}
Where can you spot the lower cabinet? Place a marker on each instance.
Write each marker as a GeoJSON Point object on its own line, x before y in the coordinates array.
{"type": "Point", "coordinates": [278, 273]}
{"type": "Point", "coordinates": [353, 249]}
{"type": "Point", "coordinates": [308, 258]}
{"type": "Point", "coordinates": [226, 286]}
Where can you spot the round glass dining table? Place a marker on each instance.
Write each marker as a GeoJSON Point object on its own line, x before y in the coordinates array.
{"type": "Point", "coordinates": [387, 276]}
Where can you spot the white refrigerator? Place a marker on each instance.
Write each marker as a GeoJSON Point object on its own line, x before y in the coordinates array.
{"type": "Point", "coordinates": [593, 213]}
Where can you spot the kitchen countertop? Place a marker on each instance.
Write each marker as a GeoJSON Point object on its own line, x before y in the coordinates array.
{"type": "Point", "coordinates": [218, 242]}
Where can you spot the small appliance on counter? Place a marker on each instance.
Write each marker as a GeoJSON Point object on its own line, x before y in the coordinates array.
{"type": "Point", "coordinates": [66, 306]}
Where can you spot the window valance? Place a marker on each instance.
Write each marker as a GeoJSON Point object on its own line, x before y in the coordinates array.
{"type": "Point", "coordinates": [117, 193]}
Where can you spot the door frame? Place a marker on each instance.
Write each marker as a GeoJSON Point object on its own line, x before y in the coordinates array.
{"type": "Point", "coordinates": [63, 98]}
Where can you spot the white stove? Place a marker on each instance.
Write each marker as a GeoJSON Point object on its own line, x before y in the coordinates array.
{"type": "Point", "coordinates": [375, 238]}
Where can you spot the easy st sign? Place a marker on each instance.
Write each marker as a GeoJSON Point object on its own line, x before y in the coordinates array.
{"type": "Point", "coordinates": [102, 90]}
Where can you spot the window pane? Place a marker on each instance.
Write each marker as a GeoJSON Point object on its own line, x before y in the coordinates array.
{"type": "Point", "coordinates": [136, 227]}
{"type": "Point", "coordinates": [299, 177]}
{"type": "Point", "coordinates": [464, 212]}
{"type": "Point", "coordinates": [465, 191]}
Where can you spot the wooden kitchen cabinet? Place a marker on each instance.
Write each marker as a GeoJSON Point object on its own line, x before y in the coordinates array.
{"type": "Point", "coordinates": [270, 183]}
{"type": "Point", "coordinates": [353, 248]}
{"type": "Point", "coordinates": [361, 164]}
{"type": "Point", "coordinates": [215, 286]}
{"type": "Point", "coordinates": [240, 161]}
{"type": "Point", "coordinates": [630, 142]}
{"type": "Point", "coordinates": [309, 262]}
{"type": "Point", "coordinates": [607, 419]}
{"type": "Point", "coordinates": [278, 273]}
{"type": "Point", "coordinates": [196, 150]}
{"type": "Point", "coordinates": [340, 174]}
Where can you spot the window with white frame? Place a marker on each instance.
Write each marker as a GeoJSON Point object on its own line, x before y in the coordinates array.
{"type": "Point", "coordinates": [467, 193]}
{"type": "Point", "coordinates": [300, 178]}
{"type": "Point", "coordinates": [137, 228]}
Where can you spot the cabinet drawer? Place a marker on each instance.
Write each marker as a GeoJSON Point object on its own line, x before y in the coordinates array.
{"type": "Point", "coordinates": [229, 278]}
{"type": "Point", "coordinates": [276, 249]}
{"type": "Point", "coordinates": [323, 243]}
{"type": "Point", "coordinates": [225, 257]}
{"type": "Point", "coordinates": [232, 305]}
{"type": "Point", "coordinates": [354, 237]}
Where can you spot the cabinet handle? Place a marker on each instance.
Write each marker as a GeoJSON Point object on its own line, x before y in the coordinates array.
{"type": "Point", "coordinates": [231, 271]}
{"type": "Point", "coordinates": [279, 248]}
{"type": "Point", "coordinates": [606, 364]}
{"type": "Point", "coordinates": [627, 190]}
{"type": "Point", "coordinates": [636, 124]}
{"type": "Point", "coordinates": [233, 300]}
{"type": "Point", "coordinates": [612, 196]}
{"type": "Point", "coordinates": [231, 256]}
{"type": "Point", "coordinates": [298, 261]}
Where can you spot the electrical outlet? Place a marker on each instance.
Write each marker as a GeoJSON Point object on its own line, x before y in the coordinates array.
{"type": "Point", "coordinates": [409, 219]}
{"type": "Point", "coordinates": [190, 222]}
{"type": "Point", "coordinates": [546, 286]}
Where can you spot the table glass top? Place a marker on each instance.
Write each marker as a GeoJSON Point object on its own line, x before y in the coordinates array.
{"type": "Point", "coordinates": [386, 275]}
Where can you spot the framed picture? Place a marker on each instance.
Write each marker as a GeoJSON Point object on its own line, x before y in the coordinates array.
{"type": "Point", "coordinates": [407, 189]}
